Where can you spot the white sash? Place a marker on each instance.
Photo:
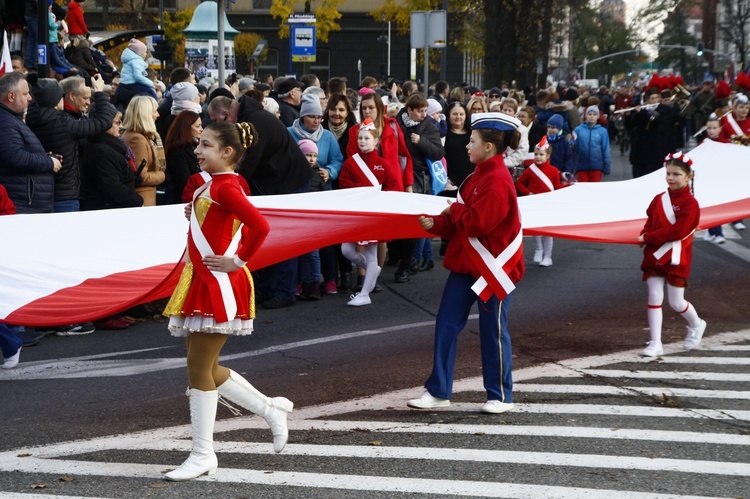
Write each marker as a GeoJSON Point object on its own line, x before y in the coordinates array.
{"type": "Point", "coordinates": [204, 248]}
{"type": "Point", "coordinates": [674, 246]}
{"type": "Point", "coordinates": [538, 172]}
{"type": "Point", "coordinates": [735, 126]}
{"type": "Point", "coordinates": [494, 264]}
{"type": "Point", "coordinates": [366, 170]}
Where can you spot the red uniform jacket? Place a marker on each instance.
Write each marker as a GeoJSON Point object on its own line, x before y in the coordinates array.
{"type": "Point", "coordinates": [6, 204]}
{"type": "Point", "coordinates": [392, 146]}
{"type": "Point", "coordinates": [76, 24]}
{"type": "Point", "coordinates": [489, 213]}
{"type": "Point", "coordinates": [388, 175]}
{"type": "Point", "coordinates": [529, 183]}
{"type": "Point", "coordinates": [728, 131]}
{"type": "Point", "coordinates": [658, 231]}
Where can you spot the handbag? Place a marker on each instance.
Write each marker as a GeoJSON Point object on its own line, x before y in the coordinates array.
{"type": "Point", "coordinates": [438, 175]}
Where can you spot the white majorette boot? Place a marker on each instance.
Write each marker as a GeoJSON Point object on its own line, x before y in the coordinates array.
{"type": "Point", "coordinates": [236, 389]}
{"type": "Point", "coordinates": [202, 459]}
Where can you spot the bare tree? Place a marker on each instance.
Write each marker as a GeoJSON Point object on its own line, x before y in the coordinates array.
{"type": "Point", "coordinates": [735, 27]}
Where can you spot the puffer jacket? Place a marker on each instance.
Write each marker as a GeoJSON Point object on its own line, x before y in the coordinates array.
{"type": "Point", "coordinates": [591, 148]}
{"type": "Point", "coordinates": [25, 168]}
{"type": "Point", "coordinates": [109, 180]}
{"type": "Point", "coordinates": [133, 69]}
{"type": "Point", "coordinates": [59, 131]}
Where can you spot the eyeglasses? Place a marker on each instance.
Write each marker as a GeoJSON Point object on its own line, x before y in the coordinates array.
{"type": "Point", "coordinates": [494, 96]}
{"type": "Point", "coordinates": [315, 118]}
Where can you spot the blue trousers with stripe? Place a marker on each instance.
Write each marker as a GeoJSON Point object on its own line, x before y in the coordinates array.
{"type": "Point", "coordinates": [497, 362]}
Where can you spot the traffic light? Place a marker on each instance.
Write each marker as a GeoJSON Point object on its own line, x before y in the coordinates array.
{"type": "Point", "coordinates": [699, 52]}
{"type": "Point", "coordinates": [162, 50]}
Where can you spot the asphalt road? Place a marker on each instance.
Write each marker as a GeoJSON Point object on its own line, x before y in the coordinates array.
{"type": "Point", "coordinates": [351, 370]}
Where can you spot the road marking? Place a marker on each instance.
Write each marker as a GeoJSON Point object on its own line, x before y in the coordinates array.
{"type": "Point", "coordinates": [686, 376]}
{"type": "Point", "coordinates": [736, 249]}
{"type": "Point", "coordinates": [401, 485]}
{"type": "Point", "coordinates": [83, 367]}
{"type": "Point", "coordinates": [54, 459]}
{"type": "Point", "coordinates": [724, 361]}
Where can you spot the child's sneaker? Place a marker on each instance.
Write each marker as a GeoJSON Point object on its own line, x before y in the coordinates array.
{"type": "Point", "coordinates": [546, 262]}
{"type": "Point", "coordinates": [708, 237]}
{"type": "Point", "coordinates": [654, 349]}
{"type": "Point", "coordinates": [695, 335]}
{"type": "Point", "coordinates": [330, 288]}
{"type": "Point", "coordinates": [538, 254]}
{"type": "Point", "coordinates": [359, 300]}
{"type": "Point", "coordinates": [720, 239]}
{"type": "Point", "coordinates": [738, 226]}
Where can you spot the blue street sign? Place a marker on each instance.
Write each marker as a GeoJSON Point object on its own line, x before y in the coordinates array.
{"type": "Point", "coordinates": [41, 54]}
{"type": "Point", "coordinates": [303, 42]}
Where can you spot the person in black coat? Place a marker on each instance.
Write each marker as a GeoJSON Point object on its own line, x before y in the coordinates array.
{"type": "Point", "coordinates": [652, 132]}
{"type": "Point", "coordinates": [109, 171]}
{"type": "Point", "coordinates": [25, 168]}
{"type": "Point", "coordinates": [274, 165]}
{"type": "Point", "coordinates": [59, 132]}
{"type": "Point", "coordinates": [182, 163]}
{"type": "Point", "coordinates": [422, 140]}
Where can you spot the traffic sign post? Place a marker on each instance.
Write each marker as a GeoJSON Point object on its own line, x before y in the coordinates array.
{"type": "Point", "coordinates": [428, 30]}
{"type": "Point", "coordinates": [302, 38]}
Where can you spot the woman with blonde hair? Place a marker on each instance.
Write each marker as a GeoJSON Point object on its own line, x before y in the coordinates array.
{"type": "Point", "coordinates": [141, 136]}
{"type": "Point", "coordinates": [477, 104]}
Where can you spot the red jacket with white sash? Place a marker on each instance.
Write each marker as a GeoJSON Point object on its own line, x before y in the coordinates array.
{"type": "Point", "coordinates": [731, 126]}
{"type": "Point", "coordinates": [659, 231]}
{"type": "Point", "coordinates": [530, 183]}
{"type": "Point", "coordinates": [387, 175]}
{"type": "Point", "coordinates": [490, 214]}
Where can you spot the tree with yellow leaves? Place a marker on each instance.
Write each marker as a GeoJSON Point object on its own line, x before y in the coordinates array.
{"type": "Point", "coordinates": [174, 23]}
{"type": "Point", "coordinates": [244, 46]}
{"type": "Point", "coordinates": [326, 12]}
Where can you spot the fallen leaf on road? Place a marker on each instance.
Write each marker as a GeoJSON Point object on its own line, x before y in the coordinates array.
{"type": "Point", "coordinates": [67, 479]}
{"type": "Point", "coordinates": [39, 486]}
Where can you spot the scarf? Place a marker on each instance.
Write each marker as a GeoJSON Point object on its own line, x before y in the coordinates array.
{"type": "Point", "coordinates": [337, 131]}
{"type": "Point", "coordinates": [304, 133]}
{"type": "Point", "coordinates": [408, 122]}
{"type": "Point", "coordinates": [185, 105]}
{"type": "Point", "coordinates": [129, 155]}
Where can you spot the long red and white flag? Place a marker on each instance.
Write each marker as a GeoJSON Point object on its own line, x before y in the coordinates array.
{"type": "Point", "coordinates": [6, 65]}
{"type": "Point", "coordinates": [66, 268]}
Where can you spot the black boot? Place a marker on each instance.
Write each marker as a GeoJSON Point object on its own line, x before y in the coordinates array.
{"type": "Point", "coordinates": [360, 283]}
{"type": "Point", "coordinates": [346, 281]}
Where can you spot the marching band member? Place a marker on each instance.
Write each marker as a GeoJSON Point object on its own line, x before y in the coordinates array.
{"type": "Point", "coordinates": [667, 238]}
{"type": "Point", "coordinates": [485, 257]}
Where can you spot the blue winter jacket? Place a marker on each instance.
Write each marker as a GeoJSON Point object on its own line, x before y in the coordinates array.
{"type": "Point", "coordinates": [329, 153]}
{"type": "Point", "coordinates": [591, 146]}
{"type": "Point", "coordinates": [26, 170]}
{"type": "Point", "coordinates": [133, 69]}
{"type": "Point", "coordinates": [562, 154]}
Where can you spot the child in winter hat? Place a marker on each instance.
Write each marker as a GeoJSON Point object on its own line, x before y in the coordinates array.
{"type": "Point", "coordinates": [133, 79]}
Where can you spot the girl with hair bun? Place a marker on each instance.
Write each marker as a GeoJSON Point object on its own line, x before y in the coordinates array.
{"type": "Point", "coordinates": [214, 297]}
{"type": "Point", "coordinates": [667, 240]}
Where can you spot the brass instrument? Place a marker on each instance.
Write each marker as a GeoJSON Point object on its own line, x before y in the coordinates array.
{"type": "Point", "coordinates": [678, 92]}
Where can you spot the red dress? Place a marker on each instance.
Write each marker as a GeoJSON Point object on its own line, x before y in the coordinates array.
{"type": "Point", "coordinates": [530, 183]}
{"type": "Point", "coordinates": [218, 302]}
{"type": "Point", "coordinates": [658, 231]}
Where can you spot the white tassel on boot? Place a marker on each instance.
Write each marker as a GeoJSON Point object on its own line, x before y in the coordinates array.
{"type": "Point", "coordinates": [274, 410]}
{"type": "Point", "coordinates": [202, 459]}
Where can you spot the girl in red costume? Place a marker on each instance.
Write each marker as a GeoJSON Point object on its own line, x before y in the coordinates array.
{"type": "Point", "coordinates": [485, 257]}
{"type": "Point", "coordinates": [539, 178]}
{"type": "Point", "coordinates": [367, 168]}
{"type": "Point", "coordinates": [668, 250]}
{"type": "Point", "coordinates": [214, 297]}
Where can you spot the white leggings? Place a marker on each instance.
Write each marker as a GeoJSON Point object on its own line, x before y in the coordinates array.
{"type": "Point", "coordinates": [676, 298]}
{"type": "Point", "coordinates": [367, 261]}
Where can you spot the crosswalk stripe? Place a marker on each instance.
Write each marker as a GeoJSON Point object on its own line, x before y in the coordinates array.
{"type": "Point", "coordinates": [731, 348]}
{"type": "Point", "coordinates": [686, 376]}
{"type": "Point", "coordinates": [341, 482]}
{"type": "Point", "coordinates": [724, 361]}
{"type": "Point", "coordinates": [656, 391]}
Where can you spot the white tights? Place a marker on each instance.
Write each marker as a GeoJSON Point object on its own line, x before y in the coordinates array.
{"type": "Point", "coordinates": [676, 297]}
{"type": "Point", "coordinates": [367, 261]}
{"type": "Point", "coordinates": [544, 244]}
